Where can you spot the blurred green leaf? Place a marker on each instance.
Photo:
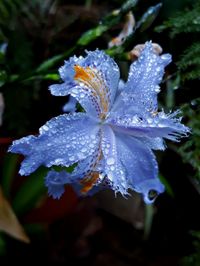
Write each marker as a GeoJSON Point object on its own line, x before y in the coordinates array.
{"type": "Point", "coordinates": [115, 16]}
{"type": "Point", "coordinates": [145, 22]}
{"type": "Point", "coordinates": [3, 49]}
{"type": "Point", "coordinates": [189, 62]}
{"type": "Point", "coordinates": [54, 77]}
{"type": "Point", "coordinates": [190, 150]}
{"type": "Point", "coordinates": [8, 172]}
{"type": "Point", "coordinates": [149, 214]}
{"type": "Point", "coordinates": [3, 77]}
{"type": "Point", "coordinates": [30, 191]}
{"type": "Point", "coordinates": [194, 258]}
{"type": "Point", "coordinates": [2, 245]}
{"type": "Point", "coordinates": [54, 60]}
{"type": "Point", "coordinates": [148, 17]}
{"type": "Point", "coordinates": [186, 21]}
{"type": "Point", "coordinates": [3, 10]}
{"type": "Point", "coordinates": [92, 34]}
{"type": "Point", "coordinates": [20, 50]}
{"type": "Point", "coordinates": [168, 187]}
{"type": "Point", "coordinates": [110, 20]}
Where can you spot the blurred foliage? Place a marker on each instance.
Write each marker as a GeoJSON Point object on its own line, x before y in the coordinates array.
{"type": "Point", "coordinates": [189, 63]}
{"type": "Point", "coordinates": [193, 259]}
{"type": "Point", "coordinates": [184, 32]}
{"type": "Point", "coordinates": [187, 23]}
{"type": "Point", "coordinates": [190, 150]}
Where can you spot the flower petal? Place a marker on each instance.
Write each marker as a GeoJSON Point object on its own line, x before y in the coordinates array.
{"type": "Point", "coordinates": [144, 76]}
{"type": "Point", "coordinates": [55, 182]}
{"type": "Point", "coordinates": [114, 170]}
{"type": "Point", "coordinates": [92, 80]}
{"type": "Point", "coordinates": [141, 167]}
{"type": "Point", "coordinates": [64, 140]}
{"type": "Point", "coordinates": [89, 102]}
{"type": "Point", "coordinates": [129, 164]}
{"type": "Point", "coordinates": [160, 125]}
{"type": "Point", "coordinates": [79, 178]}
{"type": "Point", "coordinates": [107, 68]}
{"type": "Point", "coordinates": [70, 106]}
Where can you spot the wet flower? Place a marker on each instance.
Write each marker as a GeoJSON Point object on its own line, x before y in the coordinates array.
{"type": "Point", "coordinates": [111, 143]}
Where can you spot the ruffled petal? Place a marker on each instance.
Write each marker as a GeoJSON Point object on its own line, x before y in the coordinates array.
{"type": "Point", "coordinates": [108, 70]}
{"type": "Point", "coordinates": [80, 179]}
{"type": "Point", "coordinates": [114, 170]}
{"type": "Point", "coordinates": [160, 125]}
{"type": "Point", "coordinates": [70, 106]}
{"type": "Point", "coordinates": [141, 167]}
{"type": "Point", "coordinates": [144, 76]}
{"type": "Point", "coordinates": [130, 164]}
{"type": "Point", "coordinates": [56, 181]}
{"type": "Point", "coordinates": [92, 80]}
{"type": "Point", "coordinates": [88, 101]}
{"type": "Point", "coordinates": [140, 93]}
{"type": "Point", "coordinates": [64, 140]}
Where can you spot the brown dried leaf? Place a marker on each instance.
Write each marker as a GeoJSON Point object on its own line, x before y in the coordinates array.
{"type": "Point", "coordinates": [136, 51]}
{"type": "Point", "coordinates": [9, 222]}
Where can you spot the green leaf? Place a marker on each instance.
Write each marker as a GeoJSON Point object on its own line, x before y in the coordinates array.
{"type": "Point", "coordinates": [168, 187]}
{"type": "Point", "coordinates": [92, 34]}
{"type": "Point", "coordinates": [148, 17]}
{"type": "Point", "coordinates": [186, 21]}
{"type": "Point", "coordinates": [2, 245]}
{"type": "Point", "coordinates": [30, 192]}
{"type": "Point", "coordinates": [190, 150]}
{"type": "Point", "coordinates": [149, 214]}
{"type": "Point", "coordinates": [4, 13]}
{"type": "Point", "coordinates": [110, 20]}
{"type": "Point", "coordinates": [53, 76]}
{"type": "Point", "coordinates": [8, 172]}
{"type": "Point", "coordinates": [128, 5]}
{"type": "Point", "coordinates": [49, 63]}
{"type": "Point", "coordinates": [3, 76]}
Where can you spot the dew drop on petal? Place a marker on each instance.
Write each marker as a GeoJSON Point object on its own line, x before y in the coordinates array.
{"type": "Point", "coordinates": [110, 161]}
{"type": "Point", "coordinates": [83, 149]}
{"type": "Point", "coordinates": [112, 168]}
{"type": "Point", "coordinates": [45, 128]}
{"type": "Point", "coordinates": [71, 158]}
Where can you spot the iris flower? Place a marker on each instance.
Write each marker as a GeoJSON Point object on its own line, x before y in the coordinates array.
{"type": "Point", "coordinates": [111, 143]}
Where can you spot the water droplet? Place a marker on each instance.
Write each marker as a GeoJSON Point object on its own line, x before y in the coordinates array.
{"type": "Point", "coordinates": [83, 149]}
{"type": "Point", "coordinates": [112, 168]}
{"type": "Point", "coordinates": [71, 158]}
{"type": "Point", "coordinates": [58, 161]}
{"type": "Point", "coordinates": [45, 128]}
{"type": "Point", "coordinates": [152, 194]}
{"type": "Point", "coordinates": [157, 89]}
{"type": "Point", "coordinates": [110, 161]}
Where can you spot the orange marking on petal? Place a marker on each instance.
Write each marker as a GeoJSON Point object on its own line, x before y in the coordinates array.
{"type": "Point", "coordinates": [94, 82]}
{"type": "Point", "coordinates": [89, 181]}
{"type": "Point", "coordinates": [81, 73]}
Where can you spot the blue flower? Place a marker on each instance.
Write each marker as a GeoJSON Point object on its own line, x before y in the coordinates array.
{"type": "Point", "coordinates": [110, 143]}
